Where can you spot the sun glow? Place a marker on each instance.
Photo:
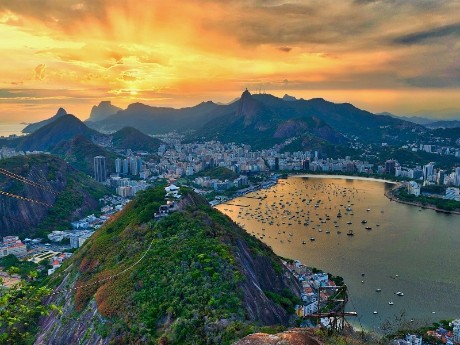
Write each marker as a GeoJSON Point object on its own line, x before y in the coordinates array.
{"type": "Point", "coordinates": [181, 53]}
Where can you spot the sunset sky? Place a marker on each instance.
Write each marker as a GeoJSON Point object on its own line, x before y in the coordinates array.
{"type": "Point", "coordinates": [401, 56]}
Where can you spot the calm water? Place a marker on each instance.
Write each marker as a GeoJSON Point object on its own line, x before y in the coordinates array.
{"type": "Point", "coordinates": [413, 251]}
{"type": "Point", "coordinates": [7, 129]}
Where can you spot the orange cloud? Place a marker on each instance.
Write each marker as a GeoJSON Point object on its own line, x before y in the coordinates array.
{"type": "Point", "coordinates": [175, 52]}
{"type": "Point", "coordinates": [39, 71]}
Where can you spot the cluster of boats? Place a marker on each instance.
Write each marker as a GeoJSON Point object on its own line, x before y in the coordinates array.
{"type": "Point", "coordinates": [283, 207]}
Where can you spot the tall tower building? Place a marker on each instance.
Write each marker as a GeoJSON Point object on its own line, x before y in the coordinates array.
{"type": "Point", "coordinates": [125, 166]}
{"type": "Point", "coordinates": [100, 171]}
{"type": "Point", "coordinates": [118, 165]}
{"type": "Point", "coordinates": [390, 167]}
{"type": "Point", "coordinates": [428, 171]}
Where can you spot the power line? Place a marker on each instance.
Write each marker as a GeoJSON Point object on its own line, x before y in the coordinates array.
{"type": "Point", "coordinates": [109, 277]}
{"type": "Point", "coordinates": [25, 180]}
{"type": "Point", "coordinates": [24, 198]}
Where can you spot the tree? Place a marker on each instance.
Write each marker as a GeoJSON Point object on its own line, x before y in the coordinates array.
{"type": "Point", "coordinates": [20, 308]}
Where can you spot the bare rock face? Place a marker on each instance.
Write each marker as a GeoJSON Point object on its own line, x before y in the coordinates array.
{"type": "Point", "coordinates": [103, 111]}
{"type": "Point", "coordinates": [295, 336]}
{"type": "Point", "coordinates": [50, 179]}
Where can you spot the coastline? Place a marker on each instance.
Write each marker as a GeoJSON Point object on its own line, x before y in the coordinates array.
{"type": "Point", "coordinates": [349, 177]}
{"type": "Point", "coordinates": [389, 194]}
{"type": "Point", "coordinates": [392, 197]}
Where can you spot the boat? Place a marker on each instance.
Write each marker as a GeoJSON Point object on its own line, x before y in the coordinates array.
{"type": "Point", "coordinates": [350, 233]}
{"type": "Point", "coordinates": [375, 312]}
{"type": "Point", "coordinates": [399, 293]}
{"type": "Point", "coordinates": [364, 221]}
{"type": "Point", "coordinates": [304, 242]}
{"type": "Point", "coordinates": [378, 290]}
{"type": "Point", "coordinates": [312, 239]}
{"type": "Point", "coordinates": [390, 303]}
{"type": "Point", "coordinates": [349, 223]}
{"type": "Point", "coordinates": [368, 228]}
{"type": "Point", "coordinates": [368, 209]}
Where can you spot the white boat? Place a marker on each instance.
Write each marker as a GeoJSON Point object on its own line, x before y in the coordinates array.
{"type": "Point", "coordinates": [390, 303]}
{"type": "Point", "coordinates": [375, 312]}
{"type": "Point", "coordinates": [378, 290]}
{"type": "Point", "coordinates": [399, 293]}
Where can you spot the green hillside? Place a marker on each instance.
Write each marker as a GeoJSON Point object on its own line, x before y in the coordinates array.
{"type": "Point", "coordinates": [203, 281]}
{"type": "Point", "coordinates": [80, 152]}
{"type": "Point", "coordinates": [131, 138]}
{"type": "Point", "coordinates": [61, 194]}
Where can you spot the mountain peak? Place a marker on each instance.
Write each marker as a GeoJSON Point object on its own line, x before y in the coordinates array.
{"type": "Point", "coordinates": [103, 110]}
{"type": "Point", "coordinates": [61, 112]}
{"type": "Point", "coordinates": [289, 98]}
{"type": "Point", "coordinates": [245, 94]}
{"type": "Point", "coordinates": [37, 125]}
{"type": "Point", "coordinates": [63, 128]}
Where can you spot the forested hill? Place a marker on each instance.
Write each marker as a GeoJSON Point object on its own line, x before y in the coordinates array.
{"type": "Point", "coordinates": [54, 195]}
{"type": "Point", "coordinates": [203, 281]}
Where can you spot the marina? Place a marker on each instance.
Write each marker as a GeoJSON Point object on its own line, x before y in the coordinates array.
{"type": "Point", "coordinates": [296, 216]}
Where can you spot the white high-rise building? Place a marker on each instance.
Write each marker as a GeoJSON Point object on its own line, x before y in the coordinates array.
{"type": "Point", "coordinates": [428, 171]}
{"type": "Point", "coordinates": [456, 330]}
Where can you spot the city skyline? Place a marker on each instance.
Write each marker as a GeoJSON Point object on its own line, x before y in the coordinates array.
{"type": "Point", "coordinates": [393, 56]}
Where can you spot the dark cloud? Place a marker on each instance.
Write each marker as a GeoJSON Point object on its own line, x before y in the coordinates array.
{"type": "Point", "coordinates": [435, 33]}
{"type": "Point", "coordinates": [285, 49]}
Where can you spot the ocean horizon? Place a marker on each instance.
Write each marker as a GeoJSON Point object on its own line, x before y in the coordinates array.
{"type": "Point", "coordinates": [7, 129]}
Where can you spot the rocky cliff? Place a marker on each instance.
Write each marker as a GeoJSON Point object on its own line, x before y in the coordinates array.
{"type": "Point", "coordinates": [102, 111]}
{"type": "Point", "coordinates": [53, 195]}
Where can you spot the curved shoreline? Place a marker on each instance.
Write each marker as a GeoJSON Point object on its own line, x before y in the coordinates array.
{"type": "Point", "coordinates": [347, 177]}
{"type": "Point", "coordinates": [392, 197]}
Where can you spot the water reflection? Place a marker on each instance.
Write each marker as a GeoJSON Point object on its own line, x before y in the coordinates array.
{"type": "Point", "coordinates": [398, 247]}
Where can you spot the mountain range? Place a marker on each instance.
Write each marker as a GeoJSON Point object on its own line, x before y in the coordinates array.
{"type": "Point", "coordinates": [425, 121]}
{"type": "Point", "coordinates": [263, 120]}
{"type": "Point", "coordinates": [156, 120]}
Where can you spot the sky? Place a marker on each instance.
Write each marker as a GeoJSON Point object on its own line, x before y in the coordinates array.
{"type": "Point", "coordinates": [401, 56]}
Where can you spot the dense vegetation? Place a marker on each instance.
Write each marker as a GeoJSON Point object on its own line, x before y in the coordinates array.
{"type": "Point", "coordinates": [22, 304]}
{"type": "Point", "coordinates": [80, 152]}
{"type": "Point", "coordinates": [186, 289]}
{"type": "Point", "coordinates": [79, 198]}
{"type": "Point", "coordinates": [20, 308]}
{"type": "Point", "coordinates": [12, 264]}
{"type": "Point", "coordinates": [71, 194]}
{"type": "Point", "coordinates": [409, 158]}
{"type": "Point", "coordinates": [131, 138]}
{"type": "Point", "coordinates": [220, 173]}
{"type": "Point", "coordinates": [443, 204]}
